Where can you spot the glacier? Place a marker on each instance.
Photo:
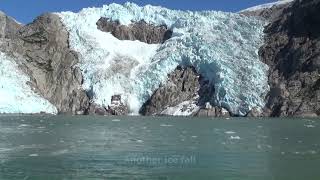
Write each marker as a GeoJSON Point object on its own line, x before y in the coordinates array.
{"type": "Point", "coordinates": [222, 46]}
{"type": "Point", "coordinates": [16, 95]}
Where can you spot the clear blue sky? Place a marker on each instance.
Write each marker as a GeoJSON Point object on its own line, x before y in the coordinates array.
{"type": "Point", "coordinates": [26, 10]}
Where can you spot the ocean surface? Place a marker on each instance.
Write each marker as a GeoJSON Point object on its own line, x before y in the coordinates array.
{"type": "Point", "coordinates": [159, 148]}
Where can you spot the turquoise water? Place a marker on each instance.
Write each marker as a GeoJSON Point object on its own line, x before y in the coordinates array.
{"type": "Point", "coordinates": [84, 147]}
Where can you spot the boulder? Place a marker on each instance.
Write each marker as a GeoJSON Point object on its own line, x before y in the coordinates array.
{"type": "Point", "coordinates": [210, 111]}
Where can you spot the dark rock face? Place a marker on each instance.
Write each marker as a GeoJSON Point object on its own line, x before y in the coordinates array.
{"type": "Point", "coordinates": [120, 110]}
{"type": "Point", "coordinates": [136, 31]}
{"type": "Point", "coordinates": [182, 85]}
{"type": "Point", "coordinates": [49, 62]}
{"type": "Point", "coordinates": [292, 50]}
{"type": "Point", "coordinates": [95, 109]}
{"type": "Point", "coordinates": [116, 108]}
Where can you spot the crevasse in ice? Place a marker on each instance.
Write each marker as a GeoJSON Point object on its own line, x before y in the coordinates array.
{"type": "Point", "coordinates": [16, 95]}
{"type": "Point", "coordinates": [223, 47]}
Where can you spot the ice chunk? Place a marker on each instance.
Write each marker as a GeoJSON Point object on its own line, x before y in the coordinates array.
{"type": "Point", "coordinates": [230, 132]}
{"type": "Point", "coordinates": [235, 137]}
{"type": "Point", "coordinates": [186, 108]}
{"type": "Point", "coordinates": [33, 155]}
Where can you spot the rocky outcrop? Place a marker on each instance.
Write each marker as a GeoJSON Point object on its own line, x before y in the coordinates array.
{"type": "Point", "coordinates": [116, 108]}
{"type": "Point", "coordinates": [182, 85]}
{"type": "Point", "coordinates": [209, 111]}
{"type": "Point", "coordinates": [141, 31]}
{"type": "Point", "coordinates": [95, 109]}
{"type": "Point", "coordinates": [292, 51]}
{"type": "Point", "coordinates": [44, 54]}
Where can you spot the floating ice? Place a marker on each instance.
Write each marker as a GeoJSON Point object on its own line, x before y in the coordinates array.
{"type": "Point", "coordinates": [309, 126]}
{"type": "Point", "coordinates": [24, 125]}
{"type": "Point", "coordinates": [229, 132]}
{"type": "Point", "coordinates": [235, 137]}
{"type": "Point", "coordinates": [33, 155]}
{"type": "Point", "coordinates": [223, 47]}
{"type": "Point", "coordinates": [166, 125]}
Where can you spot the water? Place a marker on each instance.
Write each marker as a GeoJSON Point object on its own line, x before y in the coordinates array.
{"type": "Point", "coordinates": [83, 147]}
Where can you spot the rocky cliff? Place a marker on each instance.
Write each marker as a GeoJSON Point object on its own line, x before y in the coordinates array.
{"type": "Point", "coordinates": [292, 51]}
{"type": "Point", "coordinates": [44, 54]}
{"type": "Point", "coordinates": [182, 85]}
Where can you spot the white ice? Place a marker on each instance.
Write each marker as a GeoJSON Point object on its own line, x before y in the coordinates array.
{"type": "Point", "coordinates": [186, 108]}
{"type": "Point", "coordinates": [223, 47]}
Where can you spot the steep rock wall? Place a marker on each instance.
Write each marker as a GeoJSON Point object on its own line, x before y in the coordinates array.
{"type": "Point", "coordinates": [43, 52]}
{"type": "Point", "coordinates": [292, 51]}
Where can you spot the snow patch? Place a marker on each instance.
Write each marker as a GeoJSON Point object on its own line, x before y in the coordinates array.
{"type": "Point", "coordinates": [267, 5]}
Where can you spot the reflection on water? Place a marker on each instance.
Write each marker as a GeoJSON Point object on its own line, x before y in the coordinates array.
{"type": "Point", "coordinates": [83, 147]}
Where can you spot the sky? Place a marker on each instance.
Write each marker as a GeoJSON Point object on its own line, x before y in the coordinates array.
{"type": "Point", "coordinates": [25, 11]}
